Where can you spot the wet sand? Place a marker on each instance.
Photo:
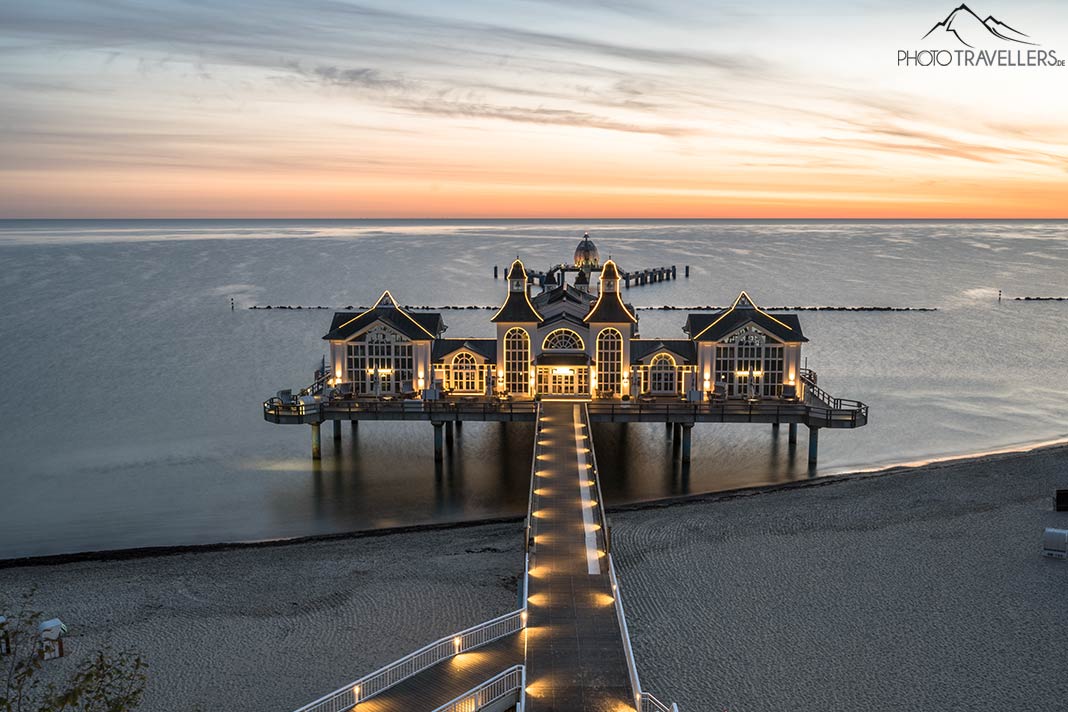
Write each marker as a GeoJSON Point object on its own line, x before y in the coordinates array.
{"type": "Point", "coordinates": [915, 589]}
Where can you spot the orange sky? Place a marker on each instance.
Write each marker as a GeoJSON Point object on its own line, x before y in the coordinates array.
{"type": "Point", "coordinates": [323, 109]}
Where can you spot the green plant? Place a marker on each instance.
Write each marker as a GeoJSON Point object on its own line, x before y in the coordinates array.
{"type": "Point", "coordinates": [109, 681]}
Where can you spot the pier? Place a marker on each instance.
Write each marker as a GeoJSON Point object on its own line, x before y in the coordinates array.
{"type": "Point", "coordinates": [564, 359]}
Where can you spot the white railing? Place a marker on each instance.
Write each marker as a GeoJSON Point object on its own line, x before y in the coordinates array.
{"type": "Point", "coordinates": [368, 686]}
{"type": "Point", "coordinates": [648, 703]}
{"type": "Point", "coordinates": [512, 681]}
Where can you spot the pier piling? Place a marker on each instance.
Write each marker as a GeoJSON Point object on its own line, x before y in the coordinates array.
{"type": "Point", "coordinates": [495, 268]}
{"type": "Point", "coordinates": [687, 431]}
{"type": "Point", "coordinates": [337, 431]}
{"type": "Point", "coordinates": [793, 434]}
{"type": "Point", "coordinates": [317, 448]}
{"type": "Point", "coordinates": [775, 430]}
{"type": "Point", "coordinates": [687, 271]}
{"type": "Point", "coordinates": [355, 425]}
{"type": "Point", "coordinates": [448, 434]}
{"type": "Point", "coordinates": [813, 445]}
{"type": "Point", "coordinates": [439, 441]}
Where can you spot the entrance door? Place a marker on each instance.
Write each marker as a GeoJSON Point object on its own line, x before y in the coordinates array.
{"type": "Point", "coordinates": [563, 382]}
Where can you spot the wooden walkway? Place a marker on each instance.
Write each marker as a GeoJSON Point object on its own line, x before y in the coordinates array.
{"type": "Point", "coordinates": [449, 679]}
{"type": "Point", "coordinates": [575, 656]}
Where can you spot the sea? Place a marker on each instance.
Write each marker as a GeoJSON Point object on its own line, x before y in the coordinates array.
{"type": "Point", "coordinates": [133, 392]}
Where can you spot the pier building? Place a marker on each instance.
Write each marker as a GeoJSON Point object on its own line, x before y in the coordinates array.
{"type": "Point", "coordinates": [567, 333]}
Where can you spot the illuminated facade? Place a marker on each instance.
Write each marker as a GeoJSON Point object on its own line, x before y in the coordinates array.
{"type": "Point", "coordinates": [576, 340]}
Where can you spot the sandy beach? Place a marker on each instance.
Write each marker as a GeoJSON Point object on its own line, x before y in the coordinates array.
{"type": "Point", "coordinates": [913, 589]}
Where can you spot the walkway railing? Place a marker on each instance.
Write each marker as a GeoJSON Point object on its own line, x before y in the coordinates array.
{"type": "Point", "coordinates": [809, 379]}
{"type": "Point", "coordinates": [602, 517]}
{"type": "Point", "coordinates": [368, 686]}
{"type": "Point", "coordinates": [274, 408]}
{"type": "Point", "coordinates": [512, 681]}
{"type": "Point", "coordinates": [645, 702]}
{"type": "Point", "coordinates": [839, 410]}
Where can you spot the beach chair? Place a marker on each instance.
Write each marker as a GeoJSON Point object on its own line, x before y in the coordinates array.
{"type": "Point", "coordinates": [1055, 543]}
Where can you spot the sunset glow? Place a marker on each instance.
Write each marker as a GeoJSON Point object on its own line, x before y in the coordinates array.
{"type": "Point", "coordinates": [524, 109]}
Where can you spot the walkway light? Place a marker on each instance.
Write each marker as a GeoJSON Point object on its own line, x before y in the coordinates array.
{"type": "Point", "coordinates": [456, 643]}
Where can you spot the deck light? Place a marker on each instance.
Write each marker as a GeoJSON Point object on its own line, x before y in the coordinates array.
{"type": "Point", "coordinates": [356, 693]}
{"type": "Point", "coordinates": [456, 643]}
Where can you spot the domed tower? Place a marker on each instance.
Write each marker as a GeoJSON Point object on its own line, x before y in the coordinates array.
{"type": "Point", "coordinates": [586, 255]}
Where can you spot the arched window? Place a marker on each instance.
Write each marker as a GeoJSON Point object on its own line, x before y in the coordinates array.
{"type": "Point", "coordinates": [662, 376]}
{"type": "Point", "coordinates": [464, 373]}
{"type": "Point", "coordinates": [609, 360]}
{"type": "Point", "coordinates": [517, 361]}
{"type": "Point", "coordinates": [562, 340]}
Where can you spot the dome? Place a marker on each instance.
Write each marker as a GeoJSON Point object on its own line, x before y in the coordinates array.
{"type": "Point", "coordinates": [586, 254]}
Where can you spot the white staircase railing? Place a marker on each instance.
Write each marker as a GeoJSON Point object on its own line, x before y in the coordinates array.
{"type": "Point", "coordinates": [512, 681]}
{"type": "Point", "coordinates": [347, 697]}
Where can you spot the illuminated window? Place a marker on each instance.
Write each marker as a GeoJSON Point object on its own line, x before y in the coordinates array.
{"type": "Point", "coordinates": [517, 361]}
{"type": "Point", "coordinates": [380, 354]}
{"type": "Point", "coordinates": [562, 340]}
{"type": "Point", "coordinates": [465, 373]}
{"type": "Point", "coordinates": [662, 376]}
{"type": "Point", "coordinates": [748, 355]}
{"type": "Point", "coordinates": [609, 360]}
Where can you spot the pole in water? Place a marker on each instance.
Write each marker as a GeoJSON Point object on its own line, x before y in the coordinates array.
{"type": "Point", "coordinates": [999, 296]}
{"type": "Point", "coordinates": [687, 271]}
{"type": "Point", "coordinates": [495, 271]}
{"type": "Point", "coordinates": [231, 303]}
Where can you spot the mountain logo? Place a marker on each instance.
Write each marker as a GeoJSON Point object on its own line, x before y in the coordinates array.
{"type": "Point", "coordinates": [972, 31]}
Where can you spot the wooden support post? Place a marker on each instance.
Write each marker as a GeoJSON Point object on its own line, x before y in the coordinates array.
{"type": "Point", "coordinates": [775, 429]}
{"type": "Point", "coordinates": [439, 441]}
{"type": "Point", "coordinates": [317, 449]}
{"type": "Point", "coordinates": [669, 431]}
{"type": "Point", "coordinates": [687, 431]}
{"type": "Point", "coordinates": [676, 431]}
{"type": "Point", "coordinates": [337, 431]}
{"type": "Point", "coordinates": [355, 425]}
{"type": "Point", "coordinates": [674, 272]}
{"type": "Point", "coordinates": [459, 426]}
{"type": "Point", "coordinates": [793, 434]}
{"type": "Point", "coordinates": [813, 445]}
{"type": "Point", "coordinates": [687, 271]}
{"type": "Point", "coordinates": [495, 271]}
{"type": "Point", "coordinates": [448, 434]}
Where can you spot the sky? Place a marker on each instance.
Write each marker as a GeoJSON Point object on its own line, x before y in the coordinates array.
{"type": "Point", "coordinates": [522, 108]}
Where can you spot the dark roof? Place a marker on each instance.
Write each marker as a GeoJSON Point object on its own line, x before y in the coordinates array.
{"type": "Point", "coordinates": [717, 326]}
{"type": "Point", "coordinates": [560, 359]}
{"type": "Point", "coordinates": [486, 348]}
{"type": "Point", "coordinates": [564, 292]}
{"type": "Point", "coordinates": [517, 271]}
{"type": "Point", "coordinates": [419, 326]}
{"type": "Point", "coordinates": [683, 348]}
{"type": "Point", "coordinates": [609, 270]}
{"type": "Point", "coordinates": [517, 306]}
{"type": "Point", "coordinates": [565, 316]}
{"type": "Point", "coordinates": [582, 278]}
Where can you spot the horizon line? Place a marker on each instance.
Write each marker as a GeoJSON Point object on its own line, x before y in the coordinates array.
{"type": "Point", "coordinates": [536, 219]}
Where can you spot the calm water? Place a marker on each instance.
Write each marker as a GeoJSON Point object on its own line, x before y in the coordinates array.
{"type": "Point", "coordinates": [133, 392]}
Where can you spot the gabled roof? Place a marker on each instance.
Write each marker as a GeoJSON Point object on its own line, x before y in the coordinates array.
{"type": "Point", "coordinates": [643, 348]}
{"type": "Point", "coordinates": [487, 348]}
{"type": "Point", "coordinates": [565, 316]}
{"type": "Point", "coordinates": [517, 306]}
{"type": "Point", "coordinates": [563, 292]}
{"type": "Point", "coordinates": [610, 307]}
{"type": "Point", "coordinates": [421, 326]}
{"type": "Point", "coordinates": [717, 326]}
